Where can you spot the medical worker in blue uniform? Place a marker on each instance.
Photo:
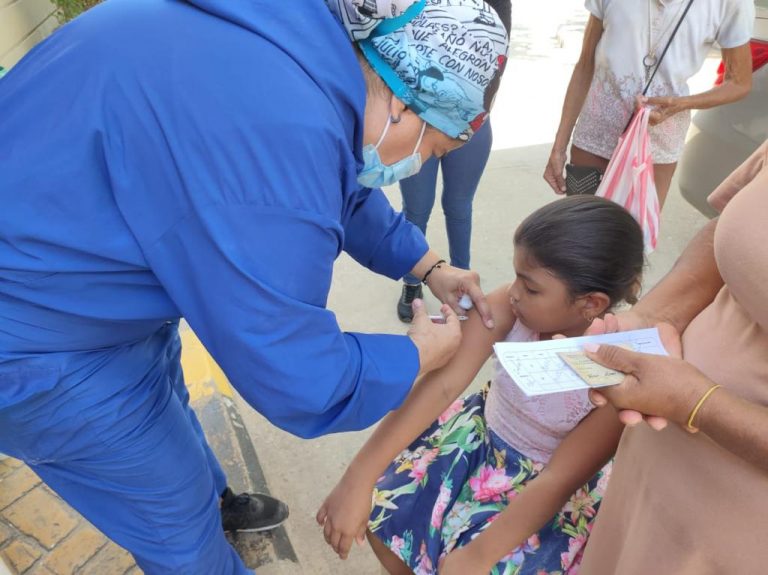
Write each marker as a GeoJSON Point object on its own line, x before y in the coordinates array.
{"type": "Point", "coordinates": [210, 159]}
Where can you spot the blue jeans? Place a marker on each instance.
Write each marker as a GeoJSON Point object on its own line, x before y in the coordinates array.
{"type": "Point", "coordinates": [117, 440]}
{"type": "Point", "coordinates": [462, 169]}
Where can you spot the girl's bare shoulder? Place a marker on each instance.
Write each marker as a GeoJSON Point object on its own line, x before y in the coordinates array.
{"type": "Point", "coordinates": [503, 314]}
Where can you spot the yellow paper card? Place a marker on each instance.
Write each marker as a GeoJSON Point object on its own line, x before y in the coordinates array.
{"type": "Point", "coordinates": [592, 373]}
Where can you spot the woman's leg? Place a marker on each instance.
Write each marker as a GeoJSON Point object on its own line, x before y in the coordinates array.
{"type": "Point", "coordinates": [581, 157]}
{"type": "Point", "coordinates": [462, 170]}
{"type": "Point", "coordinates": [418, 194]}
{"type": "Point", "coordinates": [662, 173]}
{"type": "Point", "coordinates": [662, 176]}
{"type": "Point", "coordinates": [392, 563]}
{"type": "Point", "coordinates": [114, 440]}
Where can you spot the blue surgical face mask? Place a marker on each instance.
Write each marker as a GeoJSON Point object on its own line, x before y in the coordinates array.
{"type": "Point", "coordinates": [376, 174]}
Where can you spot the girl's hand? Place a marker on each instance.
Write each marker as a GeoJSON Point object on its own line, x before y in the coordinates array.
{"type": "Point", "coordinates": [344, 514]}
{"type": "Point", "coordinates": [464, 561]}
{"type": "Point", "coordinates": [666, 387]}
{"type": "Point", "coordinates": [553, 174]}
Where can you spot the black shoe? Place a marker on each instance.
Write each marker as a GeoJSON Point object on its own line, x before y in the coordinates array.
{"type": "Point", "coordinates": [404, 309]}
{"type": "Point", "coordinates": [251, 511]}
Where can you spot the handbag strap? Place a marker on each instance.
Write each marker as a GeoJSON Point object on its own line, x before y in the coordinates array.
{"type": "Point", "coordinates": [677, 27]}
{"type": "Point", "coordinates": [663, 53]}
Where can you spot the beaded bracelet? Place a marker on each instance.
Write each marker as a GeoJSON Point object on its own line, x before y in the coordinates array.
{"type": "Point", "coordinates": [690, 427]}
{"type": "Point", "coordinates": [434, 267]}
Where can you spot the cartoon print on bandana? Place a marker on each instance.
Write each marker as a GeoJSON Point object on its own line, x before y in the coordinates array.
{"type": "Point", "coordinates": [360, 17]}
{"type": "Point", "coordinates": [445, 89]}
{"type": "Point", "coordinates": [444, 63]}
{"type": "Point", "coordinates": [368, 7]}
{"type": "Point", "coordinates": [485, 17]}
{"type": "Point", "coordinates": [448, 57]}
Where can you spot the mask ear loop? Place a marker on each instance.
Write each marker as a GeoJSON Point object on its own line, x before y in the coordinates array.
{"type": "Point", "coordinates": [384, 133]}
{"type": "Point", "coordinates": [421, 137]}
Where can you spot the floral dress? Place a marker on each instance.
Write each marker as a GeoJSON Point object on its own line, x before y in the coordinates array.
{"type": "Point", "coordinates": [451, 483]}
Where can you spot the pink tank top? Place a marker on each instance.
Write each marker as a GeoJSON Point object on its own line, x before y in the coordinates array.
{"type": "Point", "coordinates": [534, 426]}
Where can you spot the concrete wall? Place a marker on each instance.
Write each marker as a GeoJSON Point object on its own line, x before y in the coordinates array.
{"type": "Point", "coordinates": [23, 23]}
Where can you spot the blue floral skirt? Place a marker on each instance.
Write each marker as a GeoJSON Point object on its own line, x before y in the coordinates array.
{"type": "Point", "coordinates": [451, 483]}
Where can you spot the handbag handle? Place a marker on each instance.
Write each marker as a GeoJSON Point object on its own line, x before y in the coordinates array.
{"type": "Point", "coordinates": [677, 27]}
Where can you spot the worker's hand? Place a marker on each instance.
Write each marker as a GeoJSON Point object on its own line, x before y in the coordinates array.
{"type": "Point", "coordinates": [436, 342]}
{"type": "Point", "coordinates": [655, 385]}
{"type": "Point", "coordinates": [344, 513]}
{"type": "Point", "coordinates": [449, 284]}
{"type": "Point", "coordinates": [553, 174]}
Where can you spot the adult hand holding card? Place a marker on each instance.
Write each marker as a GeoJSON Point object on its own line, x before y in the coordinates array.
{"type": "Point", "coordinates": [591, 372]}
{"type": "Point", "coordinates": [557, 365]}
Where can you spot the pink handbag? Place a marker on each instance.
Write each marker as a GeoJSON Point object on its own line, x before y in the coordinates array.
{"type": "Point", "coordinates": [628, 179]}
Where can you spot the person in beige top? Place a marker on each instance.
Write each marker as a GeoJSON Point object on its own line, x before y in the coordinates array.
{"type": "Point", "coordinates": [691, 497]}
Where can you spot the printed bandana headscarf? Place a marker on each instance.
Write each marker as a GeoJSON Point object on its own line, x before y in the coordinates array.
{"type": "Point", "coordinates": [442, 58]}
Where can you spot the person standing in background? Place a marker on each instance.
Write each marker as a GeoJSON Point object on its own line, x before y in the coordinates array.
{"type": "Point", "coordinates": [623, 43]}
{"type": "Point", "coordinates": [462, 170]}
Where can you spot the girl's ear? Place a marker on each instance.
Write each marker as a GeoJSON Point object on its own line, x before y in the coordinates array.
{"type": "Point", "coordinates": [594, 304]}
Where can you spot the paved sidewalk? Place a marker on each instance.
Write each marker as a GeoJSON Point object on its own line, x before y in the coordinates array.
{"type": "Point", "coordinates": [41, 535]}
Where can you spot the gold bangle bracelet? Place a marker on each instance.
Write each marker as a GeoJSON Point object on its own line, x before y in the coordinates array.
{"type": "Point", "coordinates": [697, 407]}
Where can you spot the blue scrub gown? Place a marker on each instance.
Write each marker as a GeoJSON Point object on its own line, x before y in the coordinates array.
{"type": "Point", "coordinates": [166, 158]}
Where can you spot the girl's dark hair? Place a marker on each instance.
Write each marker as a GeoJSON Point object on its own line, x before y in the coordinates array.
{"type": "Point", "coordinates": [591, 243]}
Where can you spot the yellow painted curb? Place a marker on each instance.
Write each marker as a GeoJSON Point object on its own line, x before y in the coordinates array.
{"type": "Point", "coordinates": [202, 375]}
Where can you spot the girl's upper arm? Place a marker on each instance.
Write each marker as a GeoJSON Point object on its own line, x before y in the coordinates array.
{"type": "Point", "coordinates": [586, 449]}
{"type": "Point", "coordinates": [434, 392]}
{"type": "Point", "coordinates": [477, 341]}
{"type": "Point", "coordinates": [473, 329]}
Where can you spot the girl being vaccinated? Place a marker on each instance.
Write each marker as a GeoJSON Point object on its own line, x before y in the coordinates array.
{"type": "Point", "coordinates": [498, 482]}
